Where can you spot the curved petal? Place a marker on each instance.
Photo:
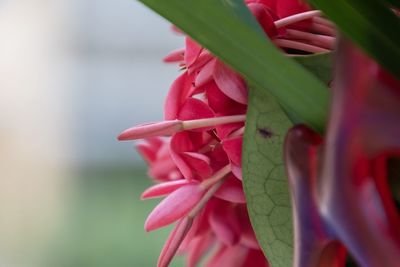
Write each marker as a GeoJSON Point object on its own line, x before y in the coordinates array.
{"type": "Point", "coordinates": [230, 83]}
{"type": "Point", "coordinates": [256, 258]}
{"type": "Point", "coordinates": [177, 205]}
{"type": "Point", "coordinates": [175, 56]}
{"type": "Point", "coordinates": [233, 148]}
{"type": "Point", "coordinates": [264, 16]}
{"type": "Point", "coordinates": [225, 223]}
{"type": "Point", "coordinates": [177, 94]}
{"type": "Point", "coordinates": [233, 256]}
{"type": "Point", "coordinates": [232, 191]}
{"type": "Point", "coordinates": [184, 142]}
{"type": "Point", "coordinates": [194, 109]}
{"type": "Point", "coordinates": [198, 162]}
{"type": "Point", "coordinates": [237, 171]}
{"type": "Point", "coordinates": [192, 52]}
{"type": "Point", "coordinates": [223, 131]}
{"type": "Point", "coordinates": [205, 74]}
{"type": "Point", "coordinates": [163, 189]}
{"type": "Point", "coordinates": [198, 248]}
{"type": "Point", "coordinates": [221, 103]}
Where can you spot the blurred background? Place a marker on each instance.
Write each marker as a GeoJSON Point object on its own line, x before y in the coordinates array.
{"type": "Point", "coordinates": [73, 74]}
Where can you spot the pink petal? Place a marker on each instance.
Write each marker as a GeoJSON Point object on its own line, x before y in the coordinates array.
{"type": "Point", "coordinates": [204, 57]}
{"type": "Point", "coordinates": [163, 189]}
{"type": "Point", "coordinates": [192, 52]}
{"type": "Point", "coordinates": [176, 29]}
{"type": "Point", "coordinates": [205, 74]}
{"type": "Point", "coordinates": [290, 7]}
{"type": "Point", "coordinates": [230, 83]}
{"type": "Point", "coordinates": [198, 248]}
{"type": "Point", "coordinates": [198, 162]}
{"type": "Point", "coordinates": [151, 129]}
{"type": "Point", "coordinates": [231, 191]}
{"type": "Point", "coordinates": [265, 17]}
{"type": "Point", "coordinates": [162, 168]}
{"type": "Point", "coordinates": [224, 222]}
{"type": "Point", "coordinates": [173, 242]}
{"type": "Point", "coordinates": [146, 152]}
{"type": "Point", "coordinates": [149, 148]}
{"type": "Point", "coordinates": [180, 143]}
{"type": "Point", "coordinates": [268, 3]}
{"type": "Point", "coordinates": [218, 101]}
{"type": "Point", "coordinates": [194, 109]}
{"type": "Point", "coordinates": [237, 171]}
{"type": "Point", "coordinates": [233, 148]}
{"type": "Point", "coordinates": [256, 258]}
{"type": "Point", "coordinates": [175, 56]}
{"type": "Point", "coordinates": [233, 256]}
{"type": "Point", "coordinates": [200, 228]}
{"type": "Point", "coordinates": [248, 237]}
{"type": "Point", "coordinates": [223, 131]}
{"type": "Point", "coordinates": [218, 158]}
{"type": "Point", "coordinates": [177, 205]}
{"type": "Point", "coordinates": [179, 91]}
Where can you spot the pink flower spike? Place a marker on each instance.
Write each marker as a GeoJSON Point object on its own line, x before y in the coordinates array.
{"type": "Point", "coordinates": [151, 129]}
{"type": "Point", "coordinates": [177, 205]}
{"type": "Point", "coordinates": [230, 83]}
{"type": "Point", "coordinates": [163, 189]}
{"type": "Point", "coordinates": [173, 242]}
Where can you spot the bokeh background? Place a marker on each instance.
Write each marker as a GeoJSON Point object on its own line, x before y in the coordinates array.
{"type": "Point", "coordinates": [73, 74]}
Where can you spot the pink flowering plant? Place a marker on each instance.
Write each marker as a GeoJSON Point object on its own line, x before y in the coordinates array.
{"type": "Point", "coordinates": [253, 165]}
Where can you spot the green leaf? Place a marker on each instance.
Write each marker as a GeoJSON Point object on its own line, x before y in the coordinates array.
{"type": "Point", "coordinates": [229, 31]}
{"type": "Point", "coordinates": [371, 25]}
{"type": "Point", "coordinates": [319, 65]}
{"type": "Point", "coordinates": [265, 181]}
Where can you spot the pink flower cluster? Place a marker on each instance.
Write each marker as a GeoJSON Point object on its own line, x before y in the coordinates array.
{"type": "Point", "coordinates": [194, 155]}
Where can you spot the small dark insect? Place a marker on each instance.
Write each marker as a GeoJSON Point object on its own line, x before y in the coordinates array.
{"type": "Point", "coordinates": [265, 132]}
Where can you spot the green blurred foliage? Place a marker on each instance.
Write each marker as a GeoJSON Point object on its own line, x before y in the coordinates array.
{"type": "Point", "coordinates": [104, 226]}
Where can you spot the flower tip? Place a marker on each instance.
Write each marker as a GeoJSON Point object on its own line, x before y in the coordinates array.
{"type": "Point", "coordinates": [150, 225]}
{"type": "Point", "coordinates": [151, 129]}
{"type": "Point", "coordinates": [174, 207]}
{"type": "Point", "coordinates": [123, 136]}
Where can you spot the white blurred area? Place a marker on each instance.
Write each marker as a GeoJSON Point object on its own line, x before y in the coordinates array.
{"type": "Point", "coordinates": [73, 74]}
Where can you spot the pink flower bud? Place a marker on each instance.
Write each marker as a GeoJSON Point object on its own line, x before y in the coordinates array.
{"type": "Point", "coordinates": [151, 129]}
{"type": "Point", "coordinates": [164, 189]}
{"type": "Point", "coordinates": [177, 205]}
{"type": "Point", "coordinates": [174, 241]}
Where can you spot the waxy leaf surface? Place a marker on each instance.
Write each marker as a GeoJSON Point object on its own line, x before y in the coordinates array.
{"type": "Point", "coordinates": [265, 181]}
